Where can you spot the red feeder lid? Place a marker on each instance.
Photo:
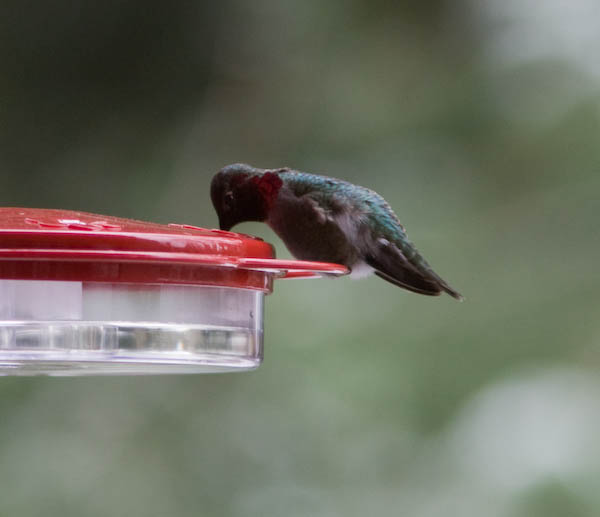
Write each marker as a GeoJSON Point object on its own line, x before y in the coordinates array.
{"type": "Point", "coordinates": [43, 244]}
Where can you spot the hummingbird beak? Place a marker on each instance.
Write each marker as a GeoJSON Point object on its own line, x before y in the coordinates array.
{"type": "Point", "coordinates": [224, 224]}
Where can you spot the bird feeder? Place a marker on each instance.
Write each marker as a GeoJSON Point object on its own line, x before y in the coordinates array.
{"type": "Point", "coordinates": [84, 294]}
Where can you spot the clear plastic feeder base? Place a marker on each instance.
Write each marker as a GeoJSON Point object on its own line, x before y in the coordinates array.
{"type": "Point", "coordinates": [84, 328]}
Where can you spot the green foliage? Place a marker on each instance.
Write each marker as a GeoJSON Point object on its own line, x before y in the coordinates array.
{"type": "Point", "coordinates": [371, 400]}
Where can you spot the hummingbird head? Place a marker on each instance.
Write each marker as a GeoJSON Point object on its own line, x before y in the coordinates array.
{"type": "Point", "coordinates": [240, 193]}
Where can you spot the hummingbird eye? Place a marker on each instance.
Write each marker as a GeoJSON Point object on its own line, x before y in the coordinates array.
{"type": "Point", "coordinates": [228, 199]}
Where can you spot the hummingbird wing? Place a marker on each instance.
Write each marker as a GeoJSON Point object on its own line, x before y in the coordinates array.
{"type": "Point", "coordinates": [360, 222]}
{"type": "Point", "coordinates": [395, 258]}
{"type": "Point", "coordinates": [390, 264]}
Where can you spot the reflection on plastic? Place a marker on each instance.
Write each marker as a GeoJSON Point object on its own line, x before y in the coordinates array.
{"type": "Point", "coordinates": [74, 328]}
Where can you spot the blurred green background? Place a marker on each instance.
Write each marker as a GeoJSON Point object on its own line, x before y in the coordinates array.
{"type": "Point", "coordinates": [479, 121]}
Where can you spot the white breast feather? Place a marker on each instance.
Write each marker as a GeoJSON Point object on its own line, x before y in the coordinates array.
{"type": "Point", "coordinates": [361, 270]}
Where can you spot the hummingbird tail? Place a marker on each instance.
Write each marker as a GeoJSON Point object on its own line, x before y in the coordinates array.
{"type": "Point", "coordinates": [415, 274]}
{"type": "Point", "coordinates": [447, 289]}
{"type": "Point", "coordinates": [403, 275]}
{"type": "Point", "coordinates": [419, 288]}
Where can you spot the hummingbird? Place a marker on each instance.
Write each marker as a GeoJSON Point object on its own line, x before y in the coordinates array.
{"type": "Point", "coordinates": [327, 220]}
